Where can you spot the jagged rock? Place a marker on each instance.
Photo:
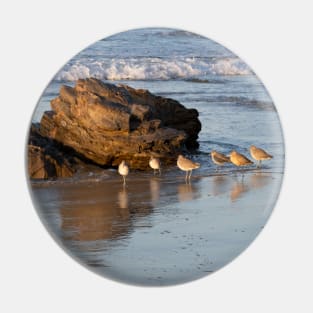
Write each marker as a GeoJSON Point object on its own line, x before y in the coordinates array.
{"type": "Point", "coordinates": [105, 124]}
{"type": "Point", "coordinates": [46, 159]}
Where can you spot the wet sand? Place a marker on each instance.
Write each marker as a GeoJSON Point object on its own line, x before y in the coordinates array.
{"type": "Point", "coordinates": [157, 230]}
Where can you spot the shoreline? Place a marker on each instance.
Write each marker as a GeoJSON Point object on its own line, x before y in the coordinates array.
{"type": "Point", "coordinates": [168, 173]}
{"type": "Point", "coordinates": [123, 233]}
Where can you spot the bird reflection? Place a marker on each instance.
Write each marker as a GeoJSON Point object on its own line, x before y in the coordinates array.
{"type": "Point", "coordinates": [255, 181]}
{"type": "Point", "coordinates": [122, 198]}
{"type": "Point", "coordinates": [238, 188]}
{"type": "Point", "coordinates": [185, 192]}
{"type": "Point", "coordinates": [154, 190]}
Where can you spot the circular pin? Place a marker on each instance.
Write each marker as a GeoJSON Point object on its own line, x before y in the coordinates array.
{"type": "Point", "coordinates": [155, 156]}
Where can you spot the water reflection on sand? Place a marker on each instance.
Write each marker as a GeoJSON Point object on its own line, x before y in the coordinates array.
{"type": "Point", "coordinates": [158, 223]}
{"type": "Point", "coordinates": [187, 192]}
{"type": "Point", "coordinates": [237, 185]}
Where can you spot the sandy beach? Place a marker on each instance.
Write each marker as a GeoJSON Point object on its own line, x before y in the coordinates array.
{"type": "Point", "coordinates": [157, 230]}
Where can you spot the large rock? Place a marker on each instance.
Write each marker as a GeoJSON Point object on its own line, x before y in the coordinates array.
{"type": "Point", "coordinates": [105, 124]}
{"type": "Point", "coordinates": [46, 159]}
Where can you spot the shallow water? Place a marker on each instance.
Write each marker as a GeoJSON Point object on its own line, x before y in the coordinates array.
{"type": "Point", "coordinates": [157, 230]}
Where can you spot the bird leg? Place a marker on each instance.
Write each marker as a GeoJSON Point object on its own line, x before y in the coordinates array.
{"type": "Point", "coordinates": [190, 174]}
{"type": "Point", "coordinates": [124, 183]}
{"type": "Point", "coordinates": [159, 172]}
{"type": "Point", "coordinates": [186, 177]}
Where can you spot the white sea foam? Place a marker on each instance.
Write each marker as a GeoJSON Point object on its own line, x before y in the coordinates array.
{"type": "Point", "coordinates": [230, 66]}
{"type": "Point", "coordinates": [151, 68]}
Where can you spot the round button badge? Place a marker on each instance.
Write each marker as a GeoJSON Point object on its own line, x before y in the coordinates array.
{"type": "Point", "coordinates": [155, 156]}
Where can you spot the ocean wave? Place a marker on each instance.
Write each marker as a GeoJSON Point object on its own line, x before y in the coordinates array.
{"type": "Point", "coordinates": [230, 66]}
{"type": "Point", "coordinates": [152, 68]}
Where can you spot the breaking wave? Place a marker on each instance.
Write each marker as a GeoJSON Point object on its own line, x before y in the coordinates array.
{"type": "Point", "coordinates": [152, 68]}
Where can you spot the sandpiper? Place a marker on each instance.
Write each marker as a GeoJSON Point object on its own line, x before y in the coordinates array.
{"type": "Point", "coordinates": [123, 170]}
{"type": "Point", "coordinates": [155, 164]}
{"type": "Point", "coordinates": [186, 165]}
{"type": "Point", "coordinates": [239, 159]}
{"type": "Point", "coordinates": [219, 158]}
{"type": "Point", "coordinates": [259, 155]}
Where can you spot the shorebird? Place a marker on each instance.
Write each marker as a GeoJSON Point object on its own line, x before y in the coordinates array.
{"type": "Point", "coordinates": [239, 159]}
{"type": "Point", "coordinates": [259, 155]}
{"type": "Point", "coordinates": [123, 170]}
{"type": "Point", "coordinates": [155, 164]}
{"type": "Point", "coordinates": [219, 158]}
{"type": "Point", "coordinates": [186, 165]}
